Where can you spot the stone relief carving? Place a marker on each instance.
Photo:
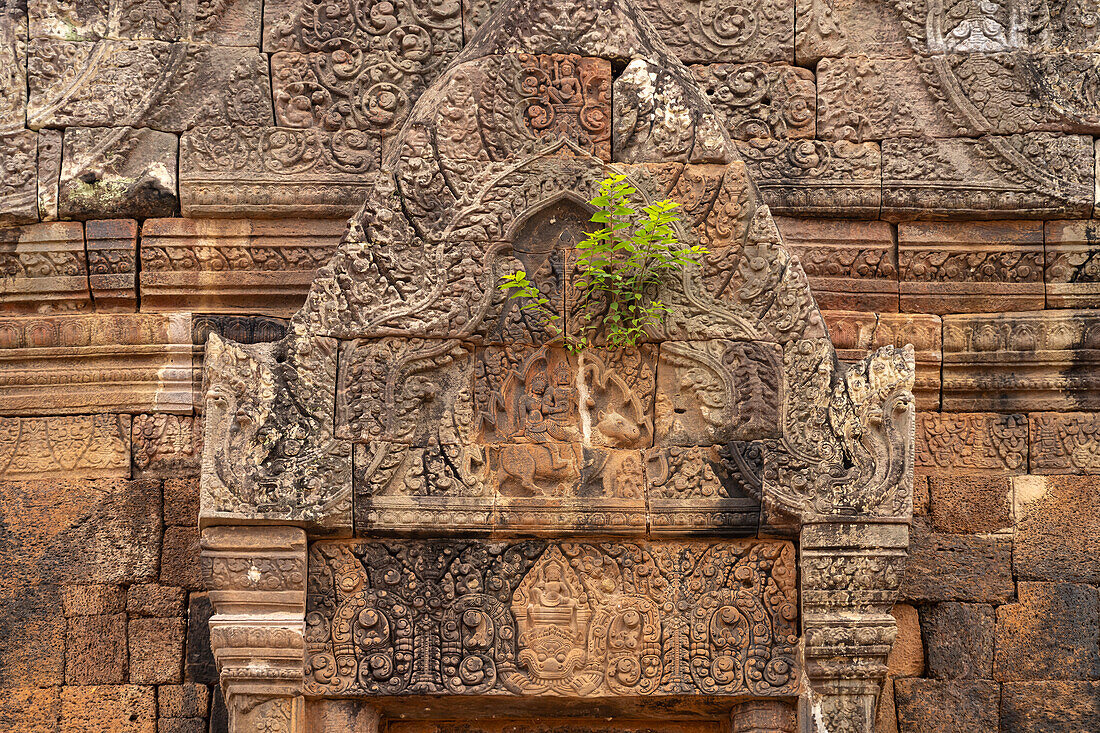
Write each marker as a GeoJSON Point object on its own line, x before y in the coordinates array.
{"type": "Point", "coordinates": [410, 397]}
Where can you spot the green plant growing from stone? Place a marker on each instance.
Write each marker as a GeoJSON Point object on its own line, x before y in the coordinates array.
{"type": "Point", "coordinates": [619, 268]}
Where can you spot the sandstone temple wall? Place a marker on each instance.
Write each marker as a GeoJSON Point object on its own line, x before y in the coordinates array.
{"type": "Point", "coordinates": [173, 169]}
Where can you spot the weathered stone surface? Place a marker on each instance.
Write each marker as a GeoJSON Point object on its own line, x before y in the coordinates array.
{"type": "Point", "coordinates": [95, 650]}
{"type": "Point", "coordinates": [179, 563]}
{"type": "Point", "coordinates": [240, 265]}
{"type": "Point", "coordinates": [243, 330]}
{"type": "Point", "coordinates": [13, 59]}
{"type": "Point", "coordinates": [118, 171]}
{"type": "Point", "coordinates": [947, 567]}
{"type": "Point", "coordinates": [43, 269]}
{"type": "Point", "coordinates": [49, 173]}
{"type": "Point", "coordinates": [274, 171]}
{"type": "Point", "coordinates": [1064, 442]}
{"type": "Point", "coordinates": [183, 701]}
{"type": "Point", "coordinates": [1058, 528]}
{"type": "Point", "coordinates": [83, 446]}
{"type": "Point", "coordinates": [32, 634]}
{"type": "Point", "coordinates": [906, 658]}
{"type": "Point", "coordinates": [1026, 361]}
{"type": "Point", "coordinates": [539, 614]}
{"type": "Point", "coordinates": [852, 265]}
{"type": "Point", "coordinates": [1053, 632]}
{"type": "Point", "coordinates": [156, 650]}
{"type": "Point", "coordinates": [30, 709]}
{"type": "Point", "coordinates": [959, 638]}
{"type": "Point", "coordinates": [971, 504]}
{"type": "Point", "coordinates": [81, 532]}
{"type": "Point", "coordinates": [689, 488]}
{"type": "Point", "coordinates": [108, 709]}
{"type": "Point", "coordinates": [166, 86]}
{"type": "Point", "coordinates": [112, 263]}
{"type": "Point", "coordinates": [854, 334]}
{"type": "Point", "coordinates": [741, 402]}
{"type": "Point", "coordinates": [863, 99]}
{"type": "Point", "coordinates": [761, 100]}
{"type": "Point", "coordinates": [971, 267]}
{"type": "Point", "coordinates": [165, 446]}
{"type": "Point", "coordinates": [1049, 707]}
{"type": "Point", "coordinates": [159, 601]}
{"type": "Point", "coordinates": [304, 473]}
{"type": "Point", "coordinates": [181, 502]}
{"type": "Point", "coordinates": [1072, 266]}
{"type": "Point", "coordinates": [92, 600]}
{"type": "Point", "coordinates": [815, 177]}
{"type": "Point", "coordinates": [410, 32]}
{"type": "Point", "coordinates": [1032, 176]}
{"type": "Point", "coordinates": [19, 179]}
{"type": "Point", "coordinates": [848, 27]}
{"type": "Point", "coordinates": [232, 23]}
{"type": "Point", "coordinates": [134, 363]}
{"type": "Point", "coordinates": [972, 442]}
{"type": "Point", "coordinates": [933, 706]}
{"type": "Point", "coordinates": [748, 30]}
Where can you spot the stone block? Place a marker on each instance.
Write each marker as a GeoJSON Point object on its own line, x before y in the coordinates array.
{"type": "Point", "coordinates": [959, 639]}
{"type": "Point", "coordinates": [13, 59]}
{"type": "Point", "coordinates": [108, 709]}
{"type": "Point", "coordinates": [79, 446]}
{"type": "Point", "coordinates": [231, 23]}
{"type": "Point", "coordinates": [1021, 362]}
{"type": "Point", "coordinates": [1067, 442]}
{"type": "Point", "coordinates": [30, 709]}
{"type": "Point", "coordinates": [19, 182]}
{"type": "Point", "coordinates": [865, 99]}
{"type": "Point", "coordinates": [851, 265]}
{"type": "Point", "coordinates": [945, 567]}
{"type": "Point", "coordinates": [906, 657]}
{"type": "Point", "coordinates": [934, 706]}
{"type": "Point", "coordinates": [245, 171]}
{"type": "Point", "coordinates": [105, 531]}
{"type": "Point", "coordinates": [32, 634]}
{"type": "Point", "coordinates": [95, 650]}
{"type": "Point", "coordinates": [165, 86]}
{"type": "Point", "coordinates": [971, 443]}
{"type": "Point", "coordinates": [1052, 633]}
{"type": "Point", "coordinates": [423, 30]}
{"type": "Point", "coordinates": [112, 263]}
{"type": "Point", "coordinates": [741, 402]}
{"type": "Point", "coordinates": [158, 601]}
{"type": "Point", "coordinates": [761, 100]}
{"type": "Point", "coordinates": [971, 504]}
{"type": "Point", "coordinates": [93, 600]}
{"type": "Point", "coordinates": [117, 171]}
{"type": "Point", "coordinates": [181, 502]}
{"type": "Point", "coordinates": [122, 363]}
{"type": "Point", "coordinates": [199, 665]}
{"type": "Point", "coordinates": [233, 265]}
{"type": "Point", "coordinates": [1072, 265]}
{"type": "Point", "coordinates": [43, 269]}
{"type": "Point", "coordinates": [1050, 707]}
{"type": "Point", "coordinates": [971, 267]}
{"type": "Point", "coordinates": [826, 28]}
{"type": "Point", "coordinates": [1033, 176]}
{"type": "Point", "coordinates": [156, 650]}
{"type": "Point", "coordinates": [183, 701]}
{"type": "Point", "coordinates": [167, 446]}
{"type": "Point", "coordinates": [763, 30]}
{"type": "Point", "coordinates": [179, 564]}
{"type": "Point", "coordinates": [688, 488]}
{"type": "Point", "coordinates": [816, 178]}
{"type": "Point", "coordinates": [49, 173]}
{"type": "Point", "coordinates": [1057, 528]}
{"type": "Point", "coordinates": [181, 725]}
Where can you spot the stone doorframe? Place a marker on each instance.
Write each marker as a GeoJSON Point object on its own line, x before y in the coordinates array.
{"type": "Point", "coordinates": [305, 438]}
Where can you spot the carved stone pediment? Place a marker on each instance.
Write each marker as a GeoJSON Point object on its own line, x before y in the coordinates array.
{"type": "Point", "coordinates": [414, 408]}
